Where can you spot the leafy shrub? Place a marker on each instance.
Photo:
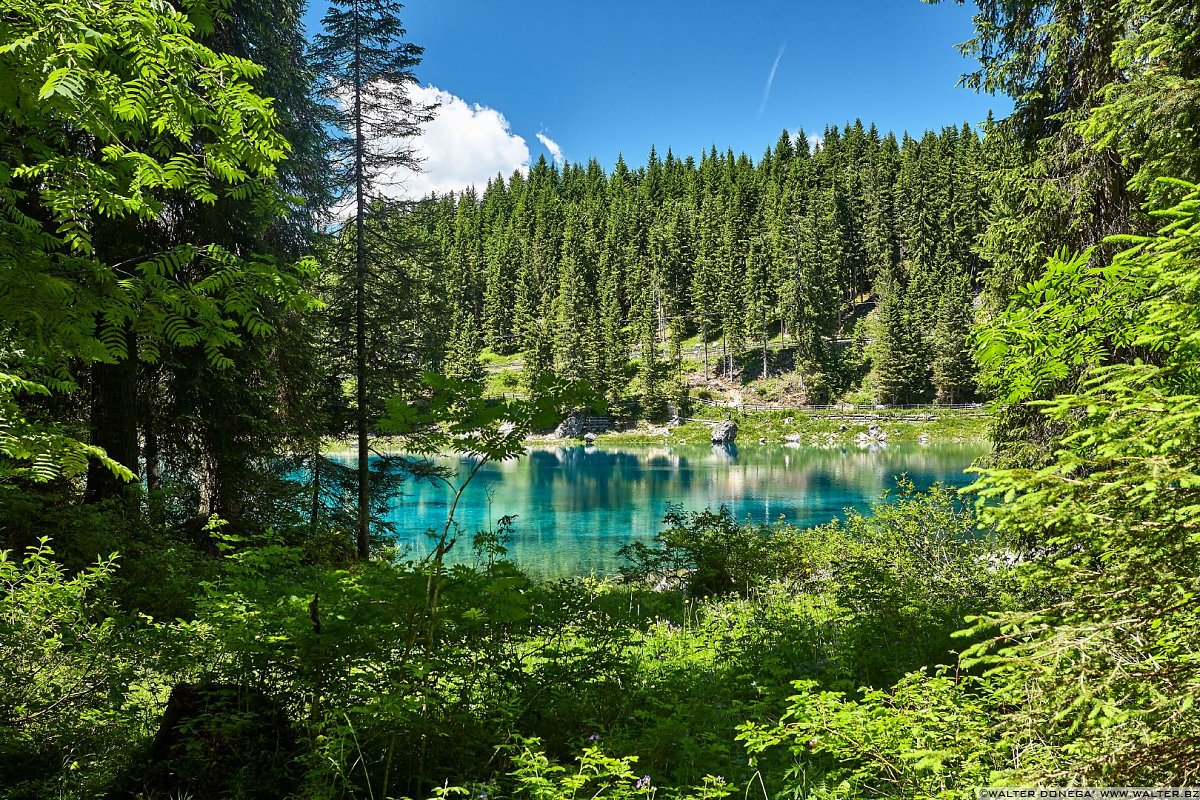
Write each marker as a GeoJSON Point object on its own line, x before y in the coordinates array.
{"type": "Point", "coordinates": [928, 736]}
{"type": "Point", "coordinates": [73, 692]}
{"type": "Point", "coordinates": [908, 575]}
{"type": "Point", "coordinates": [1091, 673]}
{"type": "Point", "coordinates": [708, 552]}
{"type": "Point", "coordinates": [1106, 668]}
{"type": "Point", "coordinates": [594, 775]}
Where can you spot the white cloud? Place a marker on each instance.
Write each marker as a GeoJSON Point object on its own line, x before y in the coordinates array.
{"type": "Point", "coordinates": [815, 141]}
{"type": "Point", "coordinates": [551, 145]}
{"type": "Point", "coordinates": [466, 144]}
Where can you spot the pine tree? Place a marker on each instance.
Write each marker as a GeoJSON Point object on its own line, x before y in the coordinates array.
{"type": "Point", "coordinates": [367, 70]}
{"type": "Point", "coordinates": [894, 353]}
{"type": "Point", "coordinates": [572, 307]}
{"type": "Point", "coordinates": [610, 335]}
{"type": "Point", "coordinates": [502, 254]}
{"type": "Point", "coordinates": [462, 353]}
{"type": "Point", "coordinates": [727, 249]}
{"type": "Point", "coordinates": [953, 365]}
{"type": "Point", "coordinates": [538, 356]}
{"type": "Point", "coordinates": [759, 302]}
{"type": "Point", "coordinates": [705, 286]}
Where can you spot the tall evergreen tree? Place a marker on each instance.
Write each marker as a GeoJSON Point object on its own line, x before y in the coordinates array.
{"type": "Point", "coordinates": [953, 366]}
{"type": "Point", "coordinates": [366, 66]}
{"type": "Point", "coordinates": [759, 302]}
{"type": "Point", "coordinates": [724, 248]}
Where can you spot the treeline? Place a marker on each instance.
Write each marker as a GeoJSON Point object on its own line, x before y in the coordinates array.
{"type": "Point", "coordinates": [601, 276]}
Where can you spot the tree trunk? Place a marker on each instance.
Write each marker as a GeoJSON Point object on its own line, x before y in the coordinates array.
{"type": "Point", "coordinates": [360, 308]}
{"type": "Point", "coordinates": [150, 457]}
{"type": "Point", "coordinates": [114, 424]}
{"type": "Point", "coordinates": [314, 518]}
{"type": "Point", "coordinates": [764, 372]}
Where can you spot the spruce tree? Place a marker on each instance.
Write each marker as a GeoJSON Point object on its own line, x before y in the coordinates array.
{"type": "Point", "coordinates": [894, 355]}
{"type": "Point", "coordinates": [461, 362]}
{"type": "Point", "coordinates": [367, 68]}
{"type": "Point", "coordinates": [953, 365]}
{"type": "Point", "coordinates": [759, 302]}
{"type": "Point", "coordinates": [705, 286]}
{"type": "Point", "coordinates": [572, 306]}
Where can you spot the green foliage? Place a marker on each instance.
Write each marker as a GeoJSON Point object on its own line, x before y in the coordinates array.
{"type": "Point", "coordinates": [603, 277]}
{"type": "Point", "coordinates": [594, 775]}
{"type": "Point", "coordinates": [928, 736]}
{"type": "Point", "coordinates": [391, 695]}
{"type": "Point", "coordinates": [708, 552]}
{"type": "Point", "coordinates": [1104, 105]}
{"type": "Point", "coordinates": [109, 110]}
{"type": "Point", "coordinates": [909, 575]}
{"type": "Point", "coordinates": [130, 145]}
{"type": "Point", "coordinates": [1086, 673]}
{"type": "Point", "coordinates": [1106, 664]}
{"type": "Point", "coordinates": [71, 688]}
{"type": "Point", "coordinates": [453, 416]}
{"type": "Point", "coordinates": [953, 366]}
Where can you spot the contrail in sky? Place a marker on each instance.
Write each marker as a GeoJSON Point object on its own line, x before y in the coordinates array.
{"type": "Point", "coordinates": [771, 80]}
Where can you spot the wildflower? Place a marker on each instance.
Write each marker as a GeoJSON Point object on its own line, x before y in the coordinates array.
{"type": "Point", "coordinates": [595, 737]}
{"type": "Point", "coordinates": [642, 782]}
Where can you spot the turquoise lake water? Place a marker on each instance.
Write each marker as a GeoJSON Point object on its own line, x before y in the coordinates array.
{"type": "Point", "coordinates": [576, 506]}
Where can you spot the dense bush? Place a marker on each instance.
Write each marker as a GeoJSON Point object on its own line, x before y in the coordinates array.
{"type": "Point", "coordinates": [75, 686]}
{"type": "Point", "coordinates": [388, 697]}
{"type": "Point", "coordinates": [1091, 675]}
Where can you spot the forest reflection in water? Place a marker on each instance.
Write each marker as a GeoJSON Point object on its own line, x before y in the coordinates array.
{"type": "Point", "coordinates": [575, 506]}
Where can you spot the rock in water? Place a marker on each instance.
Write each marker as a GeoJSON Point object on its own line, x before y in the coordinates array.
{"type": "Point", "coordinates": [724, 432]}
{"type": "Point", "coordinates": [570, 428]}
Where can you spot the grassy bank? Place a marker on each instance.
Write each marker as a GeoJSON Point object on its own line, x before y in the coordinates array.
{"type": "Point", "coordinates": [820, 428]}
{"type": "Point", "coordinates": [814, 428]}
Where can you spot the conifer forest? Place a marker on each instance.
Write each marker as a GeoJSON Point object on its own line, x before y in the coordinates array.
{"type": "Point", "coordinates": [592, 479]}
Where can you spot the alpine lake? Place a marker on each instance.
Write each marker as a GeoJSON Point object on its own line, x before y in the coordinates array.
{"type": "Point", "coordinates": [573, 507]}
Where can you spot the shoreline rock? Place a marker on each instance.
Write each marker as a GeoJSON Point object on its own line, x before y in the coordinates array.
{"type": "Point", "coordinates": [724, 432]}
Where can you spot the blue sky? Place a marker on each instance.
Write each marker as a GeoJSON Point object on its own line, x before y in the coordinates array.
{"type": "Point", "coordinates": [598, 79]}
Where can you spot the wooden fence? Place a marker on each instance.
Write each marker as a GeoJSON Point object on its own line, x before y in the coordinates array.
{"type": "Point", "coordinates": [858, 409]}
{"type": "Point", "coordinates": [846, 407]}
